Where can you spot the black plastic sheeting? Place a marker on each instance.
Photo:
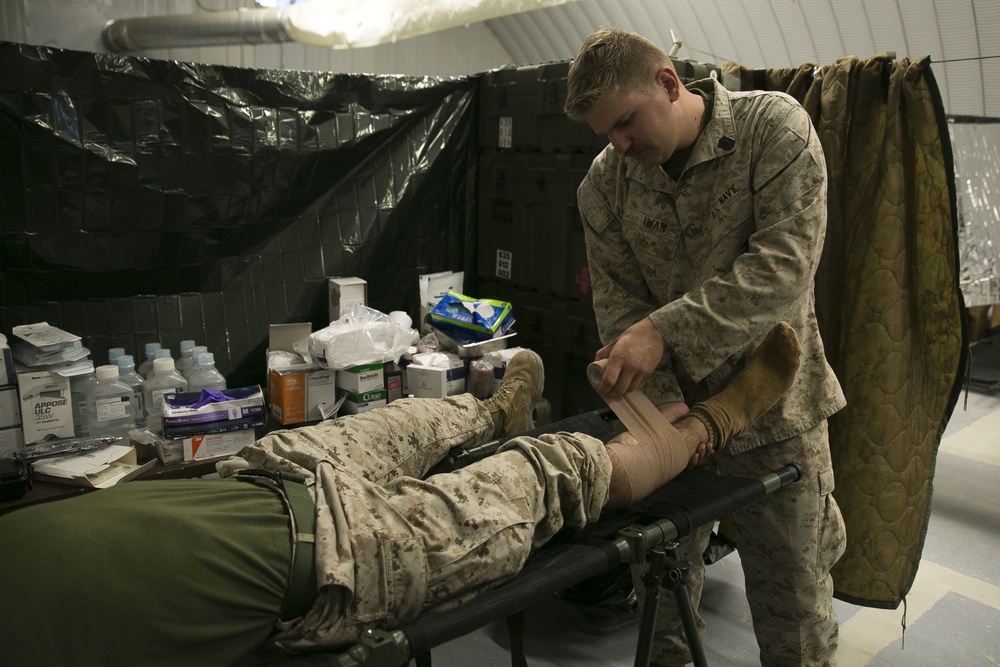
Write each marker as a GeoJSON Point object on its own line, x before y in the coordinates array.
{"type": "Point", "coordinates": [146, 200]}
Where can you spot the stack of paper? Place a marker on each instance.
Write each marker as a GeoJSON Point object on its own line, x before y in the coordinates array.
{"type": "Point", "coordinates": [98, 469]}
{"type": "Point", "coordinates": [44, 345]}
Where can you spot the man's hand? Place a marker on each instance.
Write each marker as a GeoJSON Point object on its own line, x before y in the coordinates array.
{"type": "Point", "coordinates": [632, 357]}
{"type": "Point", "coordinates": [677, 410]}
{"type": "Point", "coordinates": [704, 450]}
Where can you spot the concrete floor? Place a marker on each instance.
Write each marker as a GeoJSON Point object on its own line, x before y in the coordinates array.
{"type": "Point", "coordinates": [952, 610]}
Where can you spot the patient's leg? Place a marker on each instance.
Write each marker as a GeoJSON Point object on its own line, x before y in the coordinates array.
{"type": "Point", "coordinates": [755, 389]}
{"type": "Point", "coordinates": [405, 438]}
{"type": "Point", "coordinates": [639, 467]}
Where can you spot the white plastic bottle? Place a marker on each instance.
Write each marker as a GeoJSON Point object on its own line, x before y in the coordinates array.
{"type": "Point", "coordinates": [186, 360]}
{"type": "Point", "coordinates": [147, 364]}
{"type": "Point", "coordinates": [127, 375]}
{"type": "Point", "coordinates": [78, 387]}
{"type": "Point", "coordinates": [164, 379]}
{"type": "Point", "coordinates": [198, 349]}
{"type": "Point", "coordinates": [204, 376]}
{"type": "Point", "coordinates": [162, 353]}
{"type": "Point", "coordinates": [110, 404]}
{"type": "Point", "coordinates": [114, 353]}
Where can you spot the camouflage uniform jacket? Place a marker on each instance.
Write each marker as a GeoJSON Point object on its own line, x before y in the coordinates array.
{"type": "Point", "coordinates": [716, 258]}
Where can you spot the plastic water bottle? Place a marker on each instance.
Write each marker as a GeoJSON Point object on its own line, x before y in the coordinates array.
{"type": "Point", "coordinates": [162, 353]}
{"type": "Point", "coordinates": [164, 379]}
{"type": "Point", "coordinates": [78, 387]}
{"type": "Point", "coordinates": [198, 349]}
{"type": "Point", "coordinates": [110, 404]}
{"type": "Point", "coordinates": [186, 359]}
{"type": "Point", "coordinates": [147, 365]}
{"type": "Point", "coordinates": [127, 375]}
{"type": "Point", "coordinates": [114, 353]}
{"type": "Point", "coordinates": [204, 376]}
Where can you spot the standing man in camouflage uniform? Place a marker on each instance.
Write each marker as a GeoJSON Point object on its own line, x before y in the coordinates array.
{"type": "Point", "coordinates": [704, 221]}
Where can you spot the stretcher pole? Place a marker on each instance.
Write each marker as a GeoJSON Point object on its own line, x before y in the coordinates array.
{"type": "Point", "coordinates": [666, 571]}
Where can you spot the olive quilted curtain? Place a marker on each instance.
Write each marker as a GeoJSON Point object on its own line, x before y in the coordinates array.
{"type": "Point", "coordinates": [888, 301]}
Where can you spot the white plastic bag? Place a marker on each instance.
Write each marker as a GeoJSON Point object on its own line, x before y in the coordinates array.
{"type": "Point", "coordinates": [362, 335]}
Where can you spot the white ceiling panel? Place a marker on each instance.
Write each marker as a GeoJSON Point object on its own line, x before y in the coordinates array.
{"type": "Point", "coordinates": [991, 99]}
{"type": "Point", "coordinates": [824, 31]}
{"type": "Point", "coordinates": [962, 37]}
{"type": "Point", "coordinates": [739, 28]}
{"type": "Point", "coordinates": [794, 37]}
{"type": "Point", "coordinates": [956, 24]}
{"type": "Point", "coordinates": [689, 29]}
{"type": "Point", "coordinates": [886, 28]}
{"type": "Point", "coordinates": [855, 30]}
{"type": "Point", "coordinates": [920, 25]}
{"type": "Point", "coordinates": [965, 86]}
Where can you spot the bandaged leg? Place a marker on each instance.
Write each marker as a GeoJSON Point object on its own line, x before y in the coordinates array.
{"type": "Point", "coordinates": [642, 463]}
{"type": "Point", "coordinates": [755, 389]}
{"type": "Point", "coordinates": [639, 467]}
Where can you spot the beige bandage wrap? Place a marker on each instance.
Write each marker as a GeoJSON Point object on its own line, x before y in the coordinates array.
{"type": "Point", "coordinates": [659, 451]}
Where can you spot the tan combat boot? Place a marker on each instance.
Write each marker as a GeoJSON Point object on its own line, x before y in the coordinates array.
{"type": "Point", "coordinates": [512, 404]}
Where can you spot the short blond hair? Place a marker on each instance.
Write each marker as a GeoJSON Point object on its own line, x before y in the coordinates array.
{"type": "Point", "coordinates": [611, 60]}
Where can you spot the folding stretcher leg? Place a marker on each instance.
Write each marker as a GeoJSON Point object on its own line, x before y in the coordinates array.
{"type": "Point", "coordinates": [666, 571]}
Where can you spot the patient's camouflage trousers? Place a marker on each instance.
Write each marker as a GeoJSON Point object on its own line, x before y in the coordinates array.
{"type": "Point", "coordinates": [391, 545]}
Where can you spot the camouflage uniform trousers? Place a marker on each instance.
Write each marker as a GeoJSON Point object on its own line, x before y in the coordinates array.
{"type": "Point", "coordinates": [389, 545]}
{"type": "Point", "coordinates": [787, 542]}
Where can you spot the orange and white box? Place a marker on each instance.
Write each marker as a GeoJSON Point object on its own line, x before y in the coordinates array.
{"type": "Point", "coordinates": [297, 392]}
{"type": "Point", "coordinates": [214, 445]}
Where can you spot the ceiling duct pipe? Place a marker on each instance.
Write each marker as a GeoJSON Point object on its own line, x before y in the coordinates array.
{"type": "Point", "coordinates": [242, 26]}
{"type": "Point", "coordinates": [336, 24]}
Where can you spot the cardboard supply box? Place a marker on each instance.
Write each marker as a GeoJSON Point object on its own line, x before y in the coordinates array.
{"type": "Point", "coordinates": [436, 381]}
{"type": "Point", "coordinates": [393, 381]}
{"type": "Point", "coordinates": [46, 408]}
{"type": "Point", "coordinates": [98, 469]}
{"type": "Point", "coordinates": [11, 440]}
{"type": "Point", "coordinates": [213, 445]}
{"type": "Point", "coordinates": [433, 287]}
{"type": "Point", "coordinates": [169, 451]}
{"type": "Point", "coordinates": [297, 392]}
{"type": "Point", "coordinates": [10, 407]}
{"type": "Point", "coordinates": [6, 363]}
{"type": "Point", "coordinates": [500, 359]}
{"type": "Point", "coordinates": [189, 414]}
{"type": "Point", "coordinates": [359, 379]}
{"type": "Point", "coordinates": [344, 291]}
{"type": "Point", "coordinates": [355, 404]}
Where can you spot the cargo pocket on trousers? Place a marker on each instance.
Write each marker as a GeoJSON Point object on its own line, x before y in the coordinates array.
{"type": "Point", "coordinates": [396, 582]}
{"type": "Point", "coordinates": [831, 533]}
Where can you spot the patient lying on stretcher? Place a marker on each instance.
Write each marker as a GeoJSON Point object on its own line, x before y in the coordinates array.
{"type": "Point", "coordinates": [199, 572]}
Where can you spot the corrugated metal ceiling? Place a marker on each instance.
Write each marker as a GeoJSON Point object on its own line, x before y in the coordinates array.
{"type": "Point", "coordinates": [962, 37]}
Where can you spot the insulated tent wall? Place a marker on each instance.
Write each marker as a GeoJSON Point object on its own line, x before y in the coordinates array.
{"type": "Point", "coordinates": [146, 200]}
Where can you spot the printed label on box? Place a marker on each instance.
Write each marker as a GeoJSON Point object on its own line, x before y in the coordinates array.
{"type": "Point", "coordinates": [343, 292]}
{"type": "Point", "coordinates": [369, 400]}
{"type": "Point", "coordinates": [359, 379]}
{"type": "Point", "coordinates": [504, 260]}
{"type": "Point", "coordinates": [212, 445]}
{"type": "Point", "coordinates": [287, 393]}
{"type": "Point", "coordinates": [188, 414]}
{"type": "Point", "coordinates": [434, 382]}
{"type": "Point", "coordinates": [10, 408]}
{"type": "Point", "coordinates": [506, 131]}
{"type": "Point", "coordinates": [6, 363]}
{"type": "Point", "coordinates": [45, 405]}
